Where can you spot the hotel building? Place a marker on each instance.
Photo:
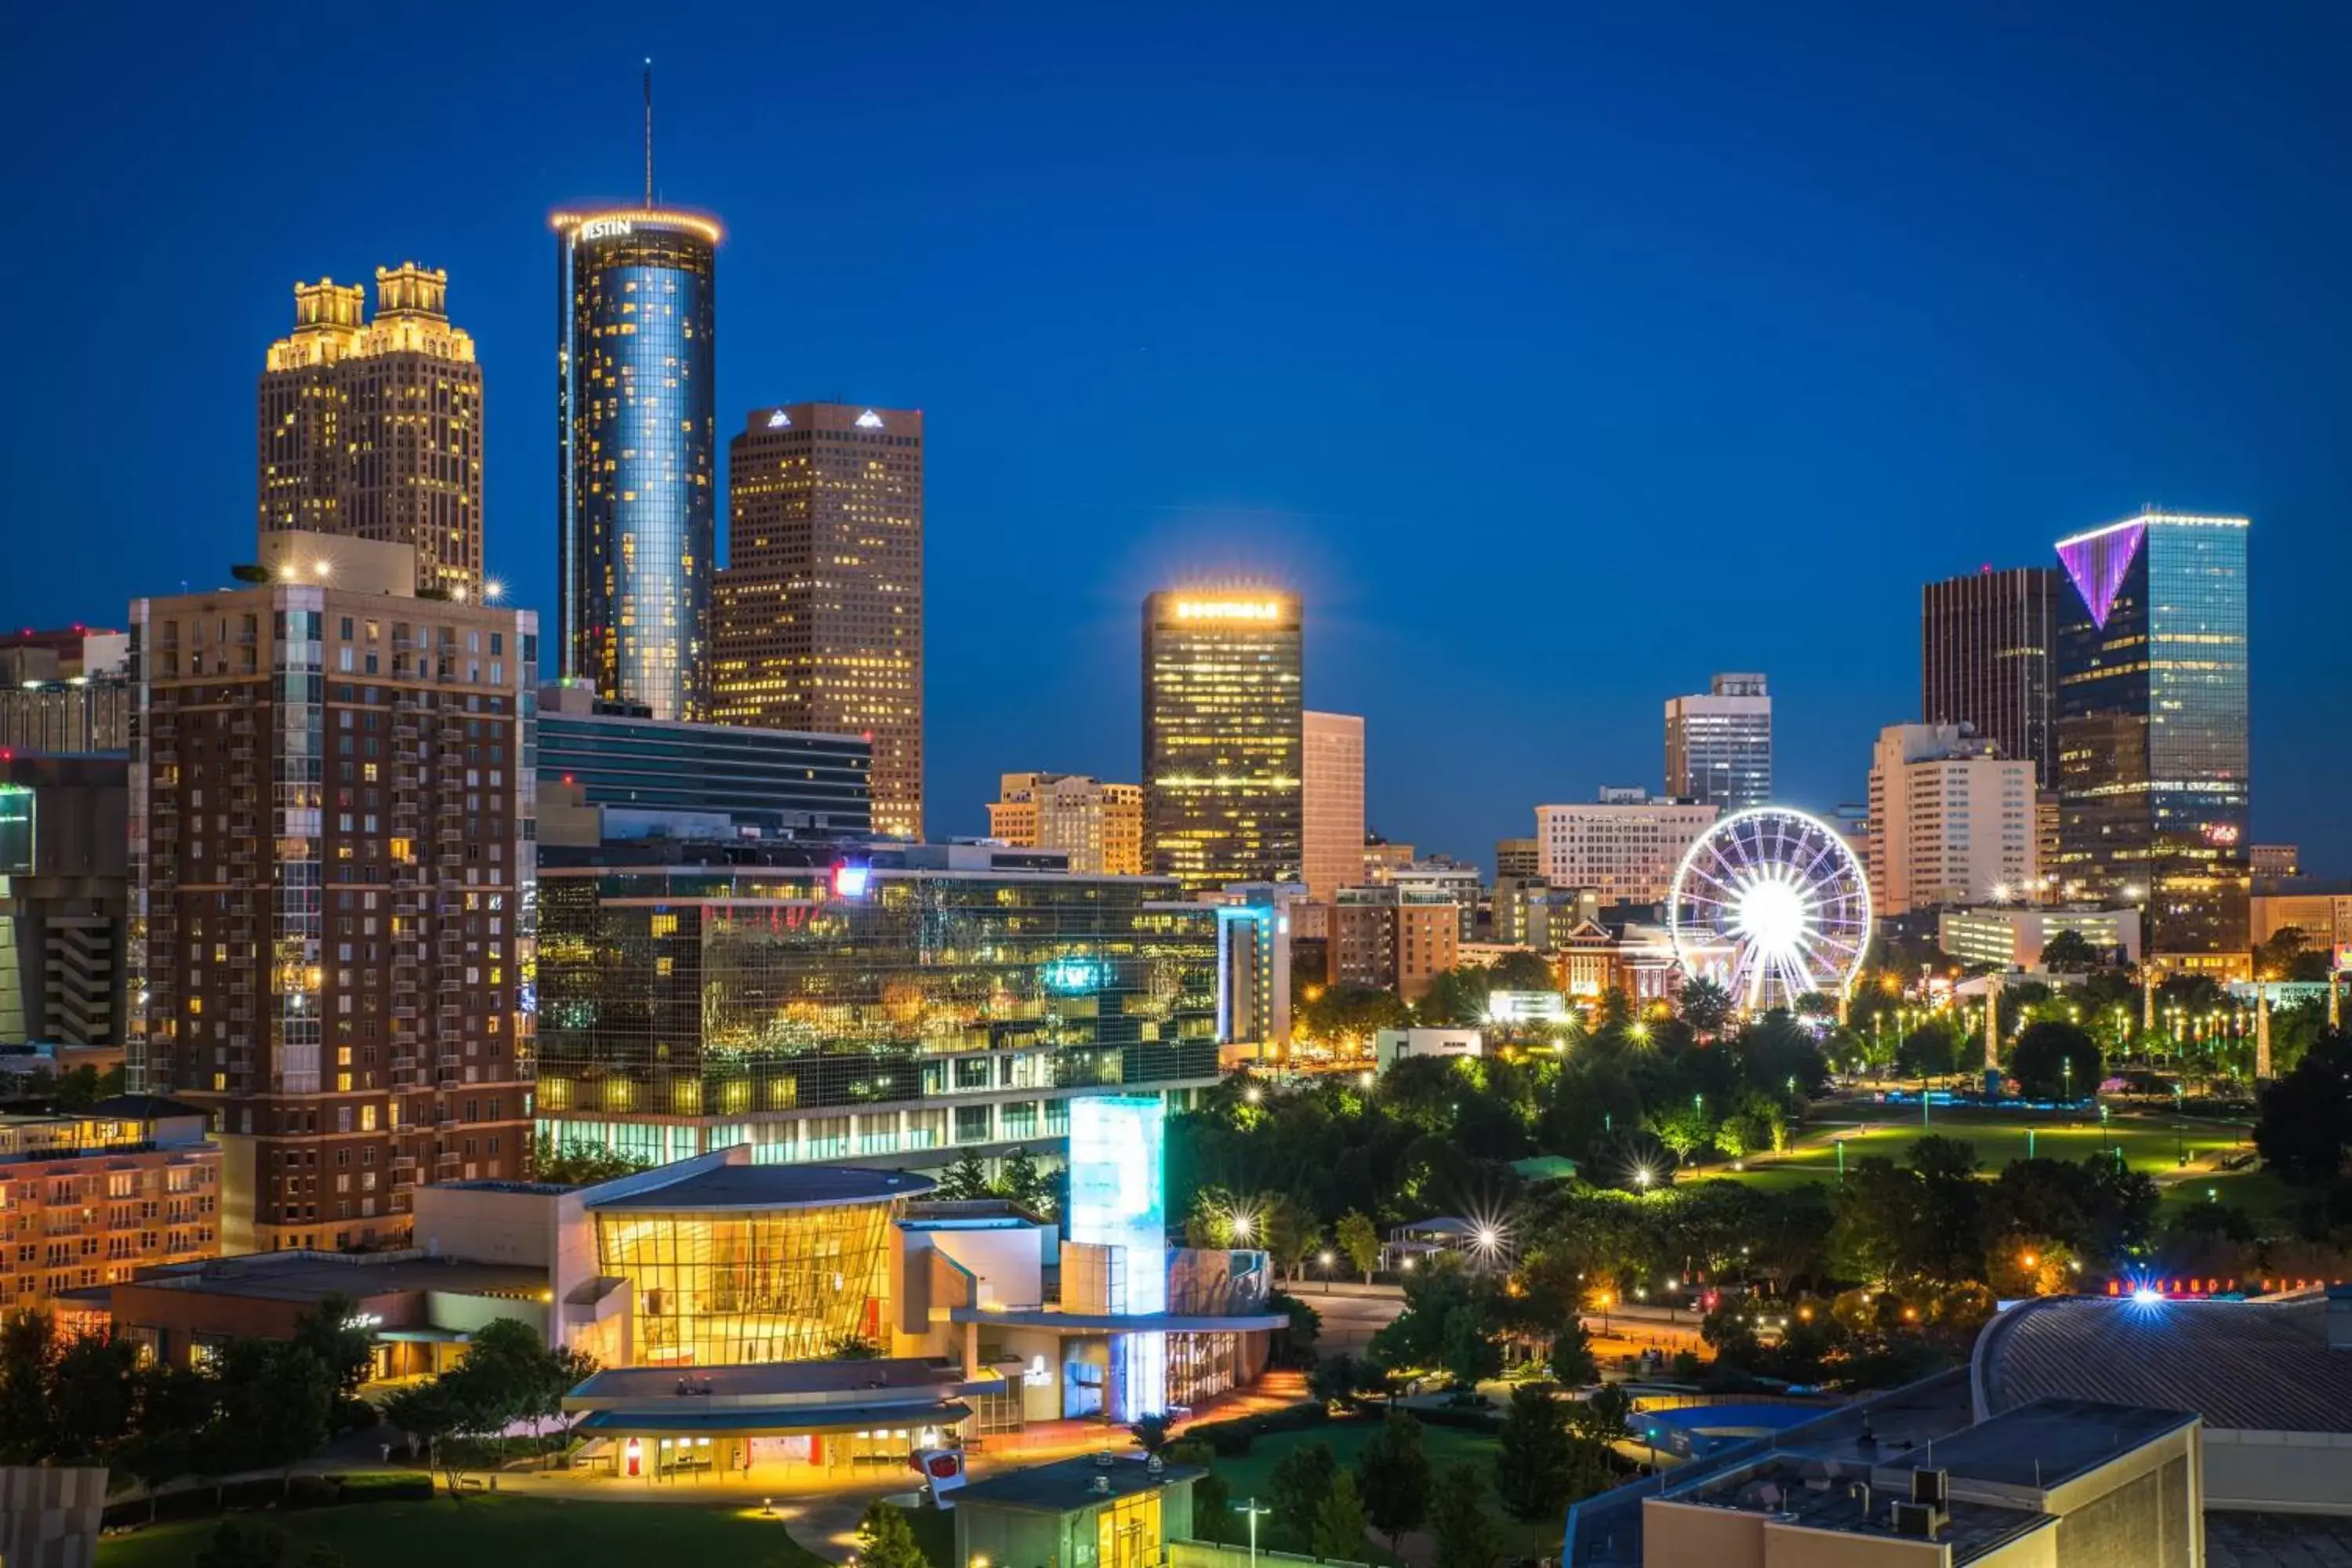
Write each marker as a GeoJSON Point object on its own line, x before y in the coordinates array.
{"type": "Point", "coordinates": [1098, 826]}
{"type": "Point", "coordinates": [1332, 803]}
{"type": "Point", "coordinates": [2153, 728]}
{"type": "Point", "coordinates": [1392, 938]}
{"type": "Point", "coordinates": [820, 610]}
{"type": "Point", "coordinates": [331, 799]}
{"type": "Point", "coordinates": [88, 1198]}
{"type": "Point", "coordinates": [1222, 793]}
{"type": "Point", "coordinates": [1626, 846]}
{"type": "Point", "coordinates": [1951, 820]}
{"type": "Point", "coordinates": [372, 428]}
{"type": "Point", "coordinates": [1985, 648]}
{"type": "Point", "coordinates": [1719, 744]}
{"type": "Point", "coordinates": [636, 453]}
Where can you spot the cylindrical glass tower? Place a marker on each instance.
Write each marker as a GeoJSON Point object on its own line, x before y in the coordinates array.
{"type": "Point", "coordinates": [636, 453]}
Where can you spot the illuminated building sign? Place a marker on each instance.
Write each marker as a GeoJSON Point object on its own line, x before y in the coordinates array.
{"type": "Point", "coordinates": [869, 420]}
{"type": "Point", "coordinates": [606, 228]}
{"type": "Point", "coordinates": [1074, 975]}
{"type": "Point", "coordinates": [850, 882]}
{"type": "Point", "coordinates": [780, 420]}
{"type": "Point", "coordinates": [15, 830]}
{"type": "Point", "coordinates": [1526, 1007]}
{"type": "Point", "coordinates": [1229, 609]}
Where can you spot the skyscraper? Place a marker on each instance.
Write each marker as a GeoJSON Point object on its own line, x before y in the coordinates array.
{"type": "Point", "coordinates": [820, 610]}
{"type": "Point", "coordinates": [1332, 805]}
{"type": "Point", "coordinates": [1222, 795]}
{"type": "Point", "coordinates": [636, 460]}
{"type": "Point", "coordinates": [373, 429]}
{"type": "Point", "coordinates": [1985, 644]}
{"type": "Point", "coordinates": [1719, 744]}
{"type": "Point", "coordinates": [331, 876]}
{"type": "Point", "coordinates": [2152, 725]}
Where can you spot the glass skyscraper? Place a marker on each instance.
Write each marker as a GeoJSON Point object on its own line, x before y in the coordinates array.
{"type": "Point", "coordinates": [636, 453]}
{"type": "Point", "coordinates": [2152, 725]}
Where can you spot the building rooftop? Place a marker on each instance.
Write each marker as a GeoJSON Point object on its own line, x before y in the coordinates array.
{"type": "Point", "coordinates": [772, 1380]}
{"type": "Point", "coordinates": [2243, 1365]}
{"type": "Point", "coordinates": [139, 1108]}
{"type": "Point", "coordinates": [1069, 1485]}
{"type": "Point", "coordinates": [771, 1187]}
{"type": "Point", "coordinates": [2234, 1540]}
{"type": "Point", "coordinates": [312, 1276]}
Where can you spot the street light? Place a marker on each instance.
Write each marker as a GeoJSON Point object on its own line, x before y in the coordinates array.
{"type": "Point", "coordinates": [1251, 1510]}
{"type": "Point", "coordinates": [1323, 1259]}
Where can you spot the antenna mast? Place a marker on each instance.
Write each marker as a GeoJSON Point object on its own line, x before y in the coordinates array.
{"type": "Point", "coordinates": [649, 130]}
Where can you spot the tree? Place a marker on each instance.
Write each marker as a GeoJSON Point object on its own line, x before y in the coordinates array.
{"type": "Point", "coordinates": [1458, 1517]}
{"type": "Point", "coordinates": [1340, 1521]}
{"type": "Point", "coordinates": [1287, 1230]}
{"type": "Point", "coordinates": [2070, 952]}
{"type": "Point", "coordinates": [2287, 954]}
{"type": "Point", "coordinates": [1334, 1378]}
{"type": "Point", "coordinates": [1599, 1417]}
{"type": "Point", "coordinates": [1706, 1006]}
{"type": "Point", "coordinates": [1151, 1433]}
{"type": "Point", "coordinates": [1019, 1184]}
{"type": "Point", "coordinates": [1928, 1051]}
{"type": "Point", "coordinates": [93, 1396]}
{"type": "Point", "coordinates": [2304, 1130]}
{"type": "Point", "coordinates": [1359, 1242]}
{"type": "Point", "coordinates": [1392, 1474]}
{"type": "Point", "coordinates": [1571, 1359]}
{"type": "Point", "coordinates": [330, 1333]}
{"type": "Point", "coordinates": [1531, 1472]}
{"type": "Point", "coordinates": [277, 1407]}
{"type": "Point", "coordinates": [27, 1352]}
{"type": "Point", "coordinates": [1455, 999]}
{"type": "Point", "coordinates": [1295, 1491]}
{"type": "Point", "coordinates": [1213, 1509]}
{"type": "Point", "coordinates": [578, 1162]}
{"type": "Point", "coordinates": [2053, 1059]}
{"type": "Point", "coordinates": [438, 1414]}
{"type": "Point", "coordinates": [966, 1181]}
{"type": "Point", "coordinates": [885, 1539]}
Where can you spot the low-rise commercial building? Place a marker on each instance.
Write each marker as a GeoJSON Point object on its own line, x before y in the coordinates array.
{"type": "Point", "coordinates": [2013, 937]}
{"type": "Point", "coordinates": [1392, 938]}
{"type": "Point", "coordinates": [2321, 910]}
{"type": "Point", "coordinates": [1103, 1509]}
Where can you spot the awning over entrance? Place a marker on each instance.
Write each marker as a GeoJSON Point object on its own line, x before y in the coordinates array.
{"type": "Point", "coordinates": [422, 1336]}
{"type": "Point", "coordinates": [756, 1422]}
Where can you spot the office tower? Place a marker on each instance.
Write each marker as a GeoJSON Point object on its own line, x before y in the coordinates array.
{"type": "Point", "coordinates": [1098, 826]}
{"type": "Point", "coordinates": [1331, 805]}
{"type": "Point", "coordinates": [1626, 845]}
{"type": "Point", "coordinates": [636, 453]}
{"type": "Point", "coordinates": [1985, 644]}
{"type": "Point", "coordinates": [634, 776]}
{"type": "Point", "coordinates": [1223, 798]}
{"type": "Point", "coordinates": [2152, 726]}
{"type": "Point", "coordinates": [1951, 820]}
{"type": "Point", "coordinates": [332, 886]}
{"type": "Point", "coordinates": [2274, 859]}
{"type": "Point", "coordinates": [1392, 938]}
{"type": "Point", "coordinates": [1520, 857]}
{"type": "Point", "coordinates": [1719, 744]}
{"type": "Point", "coordinates": [914, 1001]}
{"type": "Point", "coordinates": [64, 890]}
{"type": "Point", "coordinates": [820, 617]}
{"type": "Point", "coordinates": [373, 429]}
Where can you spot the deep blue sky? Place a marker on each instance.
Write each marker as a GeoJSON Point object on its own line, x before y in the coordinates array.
{"type": "Point", "coordinates": [1560, 354]}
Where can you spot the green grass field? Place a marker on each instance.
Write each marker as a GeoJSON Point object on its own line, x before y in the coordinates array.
{"type": "Point", "coordinates": [1251, 1473]}
{"type": "Point", "coordinates": [2150, 1144]}
{"type": "Point", "coordinates": [496, 1532]}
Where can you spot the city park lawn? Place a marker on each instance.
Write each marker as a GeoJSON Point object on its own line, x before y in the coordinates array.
{"type": "Point", "coordinates": [496, 1532]}
{"type": "Point", "coordinates": [2151, 1143]}
{"type": "Point", "coordinates": [1251, 1475]}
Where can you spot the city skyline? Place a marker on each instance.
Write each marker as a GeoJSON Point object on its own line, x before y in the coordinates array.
{"type": "Point", "coordinates": [1302, 522]}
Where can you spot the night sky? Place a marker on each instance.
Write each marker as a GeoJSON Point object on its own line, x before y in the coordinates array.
{"type": "Point", "coordinates": [1560, 355]}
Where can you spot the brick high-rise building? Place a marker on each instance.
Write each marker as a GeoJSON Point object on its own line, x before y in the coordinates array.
{"type": "Point", "coordinates": [331, 792]}
{"type": "Point", "coordinates": [373, 429]}
{"type": "Point", "coordinates": [1332, 808]}
{"type": "Point", "coordinates": [820, 608]}
{"type": "Point", "coordinates": [1985, 647]}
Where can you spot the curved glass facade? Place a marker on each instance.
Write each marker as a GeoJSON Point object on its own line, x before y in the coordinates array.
{"type": "Point", "coordinates": [723, 1288]}
{"type": "Point", "coordinates": [638, 442]}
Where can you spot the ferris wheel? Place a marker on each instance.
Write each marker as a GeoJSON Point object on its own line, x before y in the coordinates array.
{"type": "Point", "coordinates": [1771, 904]}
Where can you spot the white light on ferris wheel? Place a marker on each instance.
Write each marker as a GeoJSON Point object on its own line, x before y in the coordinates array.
{"type": "Point", "coordinates": [1780, 892]}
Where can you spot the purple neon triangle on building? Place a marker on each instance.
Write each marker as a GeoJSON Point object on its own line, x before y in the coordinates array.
{"type": "Point", "coordinates": [2097, 561]}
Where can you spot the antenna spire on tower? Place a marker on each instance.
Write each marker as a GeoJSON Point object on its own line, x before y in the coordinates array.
{"type": "Point", "coordinates": [649, 130]}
